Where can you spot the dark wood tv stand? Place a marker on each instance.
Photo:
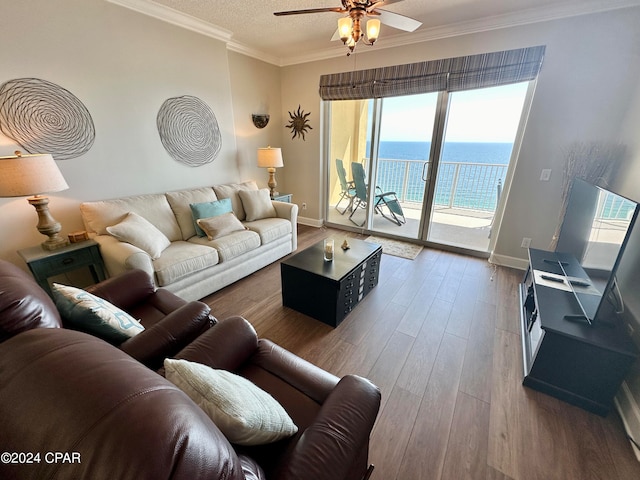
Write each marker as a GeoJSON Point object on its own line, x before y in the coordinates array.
{"type": "Point", "coordinates": [563, 355]}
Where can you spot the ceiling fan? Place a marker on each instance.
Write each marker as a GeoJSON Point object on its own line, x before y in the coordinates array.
{"type": "Point", "coordinates": [349, 30]}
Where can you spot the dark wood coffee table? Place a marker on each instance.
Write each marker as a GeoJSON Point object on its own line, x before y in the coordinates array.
{"type": "Point", "coordinates": [328, 291]}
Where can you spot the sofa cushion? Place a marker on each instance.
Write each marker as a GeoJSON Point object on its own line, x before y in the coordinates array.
{"type": "Point", "coordinates": [138, 231]}
{"type": "Point", "coordinates": [208, 210]}
{"type": "Point", "coordinates": [97, 216]}
{"type": "Point", "coordinates": [232, 245]}
{"type": "Point", "coordinates": [180, 201]}
{"type": "Point", "coordinates": [230, 190]}
{"type": "Point", "coordinates": [257, 204]}
{"type": "Point", "coordinates": [270, 229]}
{"type": "Point", "coordinates": [181, 259]}
{"type": "Point", "coordinates": [244, 413]}
{"type": "Point", "coordinates": [90, 314]}
{"type": "Point", "coordinates": [221, 225]}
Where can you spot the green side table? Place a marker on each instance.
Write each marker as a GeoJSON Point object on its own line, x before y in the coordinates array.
{"type": "Point", "coordinates": [49, 263]}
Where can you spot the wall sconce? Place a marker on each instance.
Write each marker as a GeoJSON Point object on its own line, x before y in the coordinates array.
{"type": "Point", "coordinates": [24, 175]}
{"type": "Point", "coordinates": [260, 120]}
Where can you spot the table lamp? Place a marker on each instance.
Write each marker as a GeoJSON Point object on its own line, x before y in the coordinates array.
{"type": "Point", "coordinates": [270, 158]}
{"type": "Point", "coordinates": [25, 175]}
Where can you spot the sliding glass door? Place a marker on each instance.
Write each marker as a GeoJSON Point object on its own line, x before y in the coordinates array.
{"type": "Point", "coordinates": [402, 162]}
{"type": "Point", "coordinates": [477, 142]}
{"type": "Point", "coordinates": [430, 167]}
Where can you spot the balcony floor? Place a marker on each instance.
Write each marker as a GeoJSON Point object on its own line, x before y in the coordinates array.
{"type": "Point", "coordinates": [457, 227]}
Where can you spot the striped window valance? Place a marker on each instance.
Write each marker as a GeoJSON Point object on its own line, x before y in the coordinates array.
{"type": "Point", "coordinates": [450, 74]}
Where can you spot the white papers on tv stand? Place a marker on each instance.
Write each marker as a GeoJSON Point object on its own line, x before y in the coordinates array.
{"type": "Point", "coordinates": [559, 282]}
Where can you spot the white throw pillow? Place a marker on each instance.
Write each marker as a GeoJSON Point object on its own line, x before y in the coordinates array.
{"type": "Point", "coordinates": [91, 314]}
{"type": "Point", "coordinates": [257, 204]}
{"type": "Point", "coordinates": [230, 191]}
{"type": "Point", "coordinates": [244, 413]}
{"type": "Point", "coordinates": [220, 225]}
{"type": "Point", "coordinates": [138, 231]}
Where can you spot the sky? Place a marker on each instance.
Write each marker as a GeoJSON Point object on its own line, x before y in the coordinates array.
{"type": "Point", "coordinates": [484, 115]}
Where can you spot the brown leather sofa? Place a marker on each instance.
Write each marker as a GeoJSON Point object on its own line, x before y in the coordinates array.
{"type": "Point", "coordinates": [72, 406]}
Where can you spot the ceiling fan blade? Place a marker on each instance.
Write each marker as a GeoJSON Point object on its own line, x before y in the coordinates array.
{"type": "Point", "coordinates": [336, 35]}
{"type": "Point", "coordinates": [310, 10]}
{"type": "Point", "coordinates": [380, 3]}
{"type": "Point", "coordinates": [398, 21]}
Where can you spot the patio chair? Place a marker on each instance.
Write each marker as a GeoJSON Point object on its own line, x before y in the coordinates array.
{"type": "Point", "coordinates": [382, 199]}
{"type": "Point", "coordinates": [348, 191]}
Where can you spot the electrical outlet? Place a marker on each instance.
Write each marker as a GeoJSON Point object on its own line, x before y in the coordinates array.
{"type": "Point", "coordinates": [304, 205]}
{"type": "Point", "coordinates": [526, 242]}
{"type": "Point", "coordinates": [545, 175]}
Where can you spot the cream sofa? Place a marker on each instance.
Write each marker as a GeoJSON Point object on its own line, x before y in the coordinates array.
{"type": "Point", "coordinates": [188, 265]}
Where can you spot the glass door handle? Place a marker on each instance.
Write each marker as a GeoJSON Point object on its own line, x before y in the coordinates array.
{"type": "Point", "coordinates": [425, 171]}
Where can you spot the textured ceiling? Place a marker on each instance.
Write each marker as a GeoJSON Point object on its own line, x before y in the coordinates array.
{"type": "Point", "coordinates": [254, 29]}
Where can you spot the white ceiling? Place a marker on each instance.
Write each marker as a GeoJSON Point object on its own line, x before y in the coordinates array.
{"type": "Point", "coordinates": [251, 28]}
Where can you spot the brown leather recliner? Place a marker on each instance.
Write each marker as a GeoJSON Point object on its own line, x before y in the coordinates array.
{"type": "Point", "coordinates": [76, 407]}
{"type": "Point", "coordinates": [170, 322]}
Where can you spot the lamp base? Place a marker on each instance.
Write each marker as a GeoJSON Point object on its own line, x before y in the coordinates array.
{"type": "Point", "coordinates": [47, 225]}
{"type": "Point", "coordinates": [272, 184]}
{"type": "Point", "coordinates": [54, 243]}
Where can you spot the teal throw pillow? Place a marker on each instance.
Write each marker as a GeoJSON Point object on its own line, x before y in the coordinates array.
{"type": "Point", "coordinates": [90, 314]}
{"type": "Point", "coordinates": [208, 210]}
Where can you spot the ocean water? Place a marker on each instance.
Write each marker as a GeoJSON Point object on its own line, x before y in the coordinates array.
{"type": "Point", "coordinates": [470, 174]}
{"type": "Point", "coordinates": [473, 152]}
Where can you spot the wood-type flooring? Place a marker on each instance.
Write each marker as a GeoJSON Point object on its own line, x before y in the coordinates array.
{"type": "Point", "coordinates": [439, 335]}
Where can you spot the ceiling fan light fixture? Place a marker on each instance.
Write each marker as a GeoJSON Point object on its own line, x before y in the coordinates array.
{"type": "Point", "coordinates": [351, 44]}
{"type": "Point", "coordinates": [349, 26]}
{"type": "Point", "coordinates": [344, 28]}
{"type": "Point", "coordinates": [373, 30]}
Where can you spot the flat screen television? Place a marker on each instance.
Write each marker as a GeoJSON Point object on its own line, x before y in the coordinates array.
{"type": "Point", "coordinates": [597, 227]}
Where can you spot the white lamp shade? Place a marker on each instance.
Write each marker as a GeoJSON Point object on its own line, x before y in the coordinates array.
{"type": "Point", "coordinates": [26, 175]}
{"type": "Point", "coordinates": [373, 29]}
{"type": "Point", "coordinates": [344, 28]}
{"type": "Point", "coordinates": [270, 157]}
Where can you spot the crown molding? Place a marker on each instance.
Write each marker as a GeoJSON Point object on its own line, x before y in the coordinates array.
{"type": "Point", "coordinates": [174, 17]}
{"type": "Point", "coordinates": [497, 22]}
{"type": "Point", "coordinates": [526, 17]}
{"type": "Point", "coordinates": [508, 20]}
{"type": "Point", "coordinates": [252, 52]}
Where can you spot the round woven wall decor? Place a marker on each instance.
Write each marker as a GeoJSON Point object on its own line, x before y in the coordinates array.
{"type": "Point", "coordinates": [189, 130]}
{"type": "Point", "coordinates": [45, 118]}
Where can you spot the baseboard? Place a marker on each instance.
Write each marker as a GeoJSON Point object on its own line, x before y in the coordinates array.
{"type": "Point", "coordinates": [310, 222]}
{"type": "Point", "coordinates": [629, 411]}
{"type": "Point", "coordinates": [506, 261]}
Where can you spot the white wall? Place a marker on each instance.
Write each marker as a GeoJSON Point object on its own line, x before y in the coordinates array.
{"type": "Point", "coordinates": [628, 398]}
{"type": "Point", "coordinates": [255, 88]}
{"type": "Point", "coordinates": [122, 66]}
{"type": "Point", "coordinates": [628, 184]}
{"type": "Point", "coordinates": [590, 71]}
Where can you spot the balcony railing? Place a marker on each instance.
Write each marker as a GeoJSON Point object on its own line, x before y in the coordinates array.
{"type": "Point", "coordinates": [466, 185]}
{"type": "Point", "coordinates": [613, 207]}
